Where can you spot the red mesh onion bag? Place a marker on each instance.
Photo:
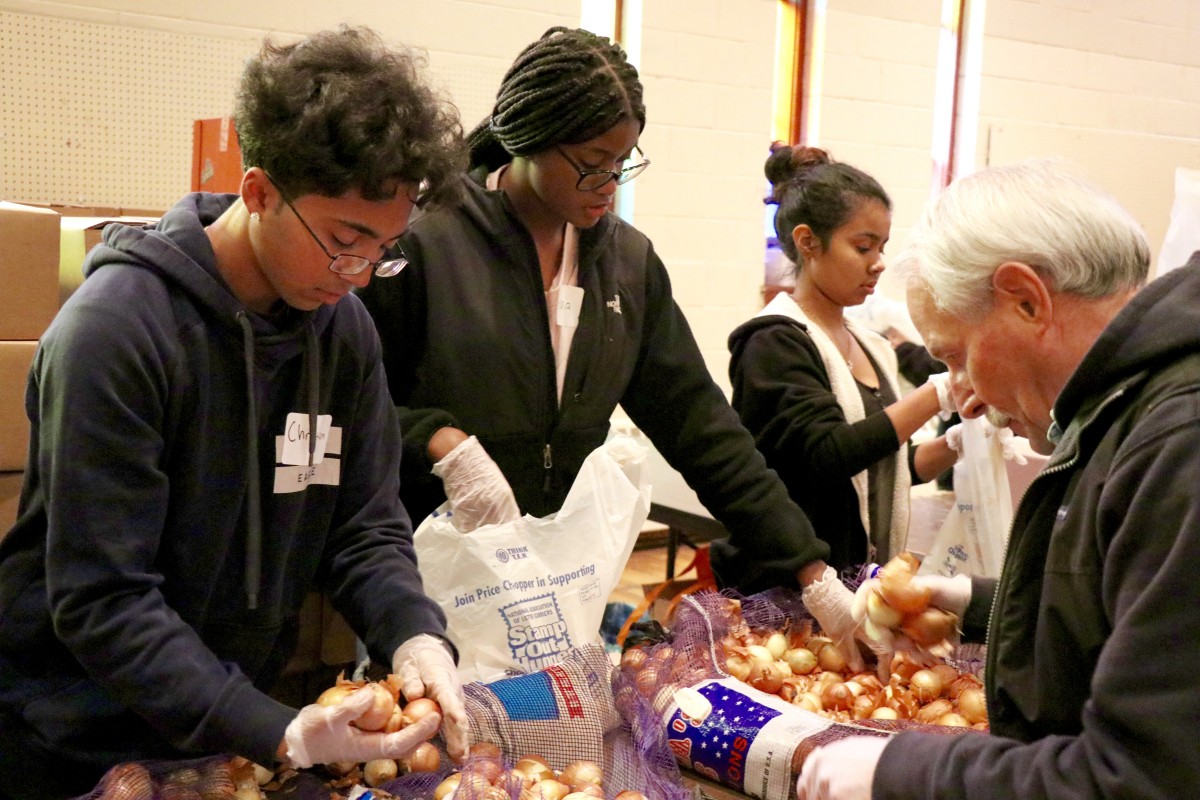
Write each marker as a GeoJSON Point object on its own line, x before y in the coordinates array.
{"type": "Point", "coordinates": [719, 727]}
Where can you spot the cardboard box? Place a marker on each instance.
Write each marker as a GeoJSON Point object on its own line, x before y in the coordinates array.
{"type": "Point", "coordinates": [79, 234]}
{"type": "Point", "coordinates": [10, 493]}
{"type": "Point", "coordinates": [216, 157]}
{"type": "Point", "coordinates": [15, 360]}
{"type": "Point", "coordinates": [28, 270]}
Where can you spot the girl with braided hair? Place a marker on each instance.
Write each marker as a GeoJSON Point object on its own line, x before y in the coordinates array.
{"type": "Point", "coordinates": [529, 311]}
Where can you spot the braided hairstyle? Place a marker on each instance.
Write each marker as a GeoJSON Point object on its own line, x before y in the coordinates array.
{"type": "Point", "coordinates": [814, 190]}
{"type": "Point", "coordinates": [567, 87]}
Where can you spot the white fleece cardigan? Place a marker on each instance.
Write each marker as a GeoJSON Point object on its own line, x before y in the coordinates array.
{"type": "Point", "coordinates": [845, 388]}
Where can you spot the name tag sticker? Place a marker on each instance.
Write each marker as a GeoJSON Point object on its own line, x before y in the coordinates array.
{"type": "Point", "coordinates": [570, 300]}
{"type": "Point", "coordinates": [297, 479]}
{"type": "Point", "coordinates": [296, 437]}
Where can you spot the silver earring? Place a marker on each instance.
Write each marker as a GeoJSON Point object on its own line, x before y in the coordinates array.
{"type": "Point", "coordinates": [254, 216]}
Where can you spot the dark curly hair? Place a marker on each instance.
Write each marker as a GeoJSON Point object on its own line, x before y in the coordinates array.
{"type": "Point", "coordinates": [814, 190]}
{"type": "Point", "coordinates": [567, 87]}
{"type": "Point", "coordinates": [340, 110]}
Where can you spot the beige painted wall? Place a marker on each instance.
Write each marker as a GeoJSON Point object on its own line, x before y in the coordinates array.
{"type": "Point", "coordinates": [1111, 83]}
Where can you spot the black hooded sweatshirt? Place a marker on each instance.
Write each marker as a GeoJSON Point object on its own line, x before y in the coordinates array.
{"type": "Point", "coordinates": [167, 535]}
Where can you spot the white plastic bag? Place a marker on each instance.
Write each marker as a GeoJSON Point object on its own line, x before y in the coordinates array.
{"type": "Point", "coordinates": [1183, 233]}
{"type": "Point", "coordinates": [519, 596]}
{"type": "Point", "coordinates": [973, 536]}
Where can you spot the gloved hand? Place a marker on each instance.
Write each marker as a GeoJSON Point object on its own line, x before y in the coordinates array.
{"type": "Point", "coordinates": [843, 770]}
{"type": "Point", "coordinates": [476, 488]}
{"type": "Point", "coordinates": [953, 436]}
{"type": "Point", "coordinates": [324, 735]}
{"type": "Point", "coordinates": [426, 669]}
{"type": "Point", "coordinates": [941, 384]}
{"type": "Point", "coordinates": [951, 594]}
{"type": "Point", "coordinates": [1008, 444]}
{"type": "Point", "coordinates": [1006, 438]}
{"type": "Point", "coordinates": [829, 601]}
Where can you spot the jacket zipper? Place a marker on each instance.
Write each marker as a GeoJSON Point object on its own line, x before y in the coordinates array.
{"type": "Point", "coordinates": [548, 464]}
{"type": "Point", "coordinates": [989, 671]}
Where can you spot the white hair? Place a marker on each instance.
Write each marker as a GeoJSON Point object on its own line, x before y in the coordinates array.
{"type": "Point", "coordinates": [1039, 212]}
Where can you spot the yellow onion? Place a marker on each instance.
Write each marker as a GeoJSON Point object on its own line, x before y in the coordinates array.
{"type": "Point", "coordinates": [581, 773]}
{"type": "Point", "coordinates": [419, 709]}
{"type": "Point", "coordinates": [972, 704]}
{"type": "Point", "coordinates": [809, 701]}
{"type": "Point", "coordinates": [425, 758]}
{"type": "Point", "coordinates": [926, 685]}
{"type": "Point", "coordinates": [933, 711]}
{"type": "Point", "coordinates": [776, 645]}
{"type": "Point", "coordinates": [379, 771]}
{"type": "Point", "coordinates": [953, 720]}
{"type": "Point", "coordinates": [800, 660]}
{"type": "Point", "coordinates": [546, 790]}
{"type": "Point", "coordinates": [382, 703]}
{"type": "Point", "coordinates": [831, 659]}
{"type": "Point", "coordinates": [447, 786]}
{"type": "Point", "coordinates": [879, 612]}
{"type": "Point", "coordinates": [633, 658]}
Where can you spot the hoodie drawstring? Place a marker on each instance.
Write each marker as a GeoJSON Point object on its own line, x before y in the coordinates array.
{"type": "Point", "coordinates": [253, 576]}
{"type": "Point", "coordinates": [313, 379]}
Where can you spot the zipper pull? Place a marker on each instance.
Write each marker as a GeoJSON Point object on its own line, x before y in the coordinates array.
{"type": "Point", "coordinates": [547, 463]}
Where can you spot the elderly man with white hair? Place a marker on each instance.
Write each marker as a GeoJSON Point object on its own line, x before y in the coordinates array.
{"type": "Point", "coordinates": [1030, 284]}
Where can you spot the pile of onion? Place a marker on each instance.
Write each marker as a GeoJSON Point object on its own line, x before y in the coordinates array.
{"type": "Point", "coordinates": [388, 713]}
{"type": "Point", "coordinates": [899, 604]}
{"type": "Point", "coordinates": [809, 671]}
{"type": "Point", "coordinates": [484, 776]}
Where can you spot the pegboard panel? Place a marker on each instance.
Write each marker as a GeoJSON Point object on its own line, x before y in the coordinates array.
{"type": "Point", "coordinates": [472, 82]}
{"type": "Point", "coordinates": [95, 114]}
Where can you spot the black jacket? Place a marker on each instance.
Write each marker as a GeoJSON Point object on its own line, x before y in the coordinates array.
{"type": "Point", "coordinates": [466, 343]}
{"type": "Point", "coordinates": [783, 395]}
{"type": "Point", "coordinates": [1092, 680]}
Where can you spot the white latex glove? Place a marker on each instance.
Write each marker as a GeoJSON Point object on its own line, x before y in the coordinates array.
{"type": "Point", "coordinates": [426, 669]}
{"type": "Point", "coordinates": [1008, 445]}
{"type": "Point", "coordinates": [476, 488]}
{"type": "Point", "coordinates": [829, 601]}
{"type": "Point", "coordinates": [953, 436]}
{"type": "Point", "coordinates": [843, 770]}
{"type": "Point", "coordinates": [951, 594]}
{"type": "Point", "coordinates": [941, 384]}
{"type": "Point", "coordinates": [324, 735]}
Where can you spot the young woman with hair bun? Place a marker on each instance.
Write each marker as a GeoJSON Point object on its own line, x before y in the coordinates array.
{"type": "Point", "coordinates": [817, 390]}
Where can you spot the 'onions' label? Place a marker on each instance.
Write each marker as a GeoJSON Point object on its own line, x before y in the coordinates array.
{"type": "Point", "coordinates": [745, 739]}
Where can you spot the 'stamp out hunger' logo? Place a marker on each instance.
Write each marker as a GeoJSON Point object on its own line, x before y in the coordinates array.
{"type": "Point", "coordinates": [537, 632]}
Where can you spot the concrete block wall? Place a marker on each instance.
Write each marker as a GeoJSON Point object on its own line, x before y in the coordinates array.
{"type": "Point", "coordinates": [1065, 74]}
{"type": "Point", "coordinates": [707, 68]}
{"type": "Point", "coordinates": [876, 99]}
{"type": "Point", "coordinates": [1113, 86]}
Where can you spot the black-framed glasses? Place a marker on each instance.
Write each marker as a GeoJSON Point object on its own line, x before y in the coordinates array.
{"type": "Point", "coordinates": [392, 263]}
{"type": "Point", "coordinates": [592, 179]}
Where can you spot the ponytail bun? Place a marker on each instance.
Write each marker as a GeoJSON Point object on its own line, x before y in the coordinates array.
{"type": "Point", "coordinates": [787, 163]}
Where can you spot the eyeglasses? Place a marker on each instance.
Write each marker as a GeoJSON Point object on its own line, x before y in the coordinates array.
{"type": "Point", "coordinates": [392, 263]}
{"type": "Point", "coordinates": [592, 179]}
